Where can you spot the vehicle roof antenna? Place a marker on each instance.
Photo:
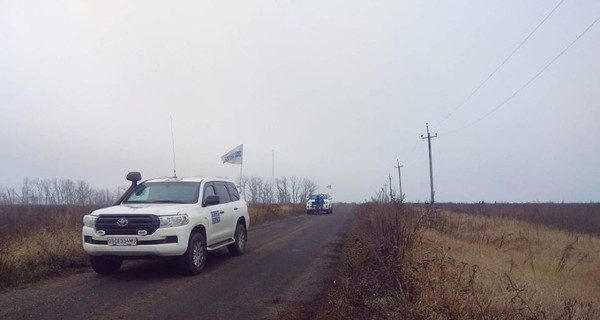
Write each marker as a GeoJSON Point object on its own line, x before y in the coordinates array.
{"type": "Point", "coordinates": [173, 144]}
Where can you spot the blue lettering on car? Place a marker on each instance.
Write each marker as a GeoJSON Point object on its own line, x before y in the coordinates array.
{"type": "Point", "coordinates": [216, 216]}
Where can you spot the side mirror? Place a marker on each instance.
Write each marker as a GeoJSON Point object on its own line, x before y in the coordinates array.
{"type": "Point", "coordinates": [134, 176]}
{"type": "Point", "coordinates": [212, 200]}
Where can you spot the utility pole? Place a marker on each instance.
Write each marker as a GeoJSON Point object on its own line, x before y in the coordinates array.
{"type": "Point", "coordinates": [385, 192]}
{"type": "Point", "coordinates": [273, 166]}
{"type": "Point", "coordinates": [400, 179]}
{"type": "Point", "coordinates": [429, 136]}
{"type": "Point", "coordinates": [391, 193]}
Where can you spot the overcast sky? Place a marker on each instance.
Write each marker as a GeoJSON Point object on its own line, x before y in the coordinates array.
{"type": "Point", "coordinates": [339, 89]}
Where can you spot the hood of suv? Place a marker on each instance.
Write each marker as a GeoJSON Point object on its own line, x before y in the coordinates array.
{"type": "Point", "coordinates": [145, 208]}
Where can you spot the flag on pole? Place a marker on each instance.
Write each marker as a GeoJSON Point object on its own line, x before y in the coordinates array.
{"type": "Point", "coordinates": [234, 156]}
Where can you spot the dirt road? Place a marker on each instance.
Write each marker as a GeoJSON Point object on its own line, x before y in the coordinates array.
{"type": "Point", "coordinates": [286, 261]}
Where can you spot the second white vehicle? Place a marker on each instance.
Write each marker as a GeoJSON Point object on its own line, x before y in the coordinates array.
{"type": "Point", "coordinates": [167, 217]}
{"type": "Point", "coordinates": [327, 203]}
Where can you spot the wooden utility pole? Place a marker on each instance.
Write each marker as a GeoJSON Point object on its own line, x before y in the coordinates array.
{"type": "Point", "coordinates": [429, 136]}
{"type": "Point", "coordinates": [400, 180]}
{"type": "Point", "coordinates": [391, 193]}
{"type": "Point", "coordinates": [385, 192]}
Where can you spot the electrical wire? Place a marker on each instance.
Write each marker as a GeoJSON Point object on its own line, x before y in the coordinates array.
{"type": "Point", "coordinates": [535, 76]}
{"type": "Point", "coordinates": [498, 67]}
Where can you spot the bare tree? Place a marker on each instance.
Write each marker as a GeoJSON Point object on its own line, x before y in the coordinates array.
{"type": "Point", "coordinates": [266, 193]}
{"type": "Point", "coordinates": [82, 192]}
{"type": "Point", "coordinates": [308, 187]}
{"type": "Point", "coordinates": [254, 187]}
{"type": "Point", "coordinates": [281, 186]}
{"type": "Point", "coordinates": [295, 190]}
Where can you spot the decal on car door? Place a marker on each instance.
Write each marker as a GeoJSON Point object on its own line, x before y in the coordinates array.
{"type": "Point", "coordinates": [216, 216]}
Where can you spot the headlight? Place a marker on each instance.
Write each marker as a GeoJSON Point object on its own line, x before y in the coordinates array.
{"type": "Point", "coordinates": [89, 221]}
{"type": "Point", "coordinates": [174, 221]}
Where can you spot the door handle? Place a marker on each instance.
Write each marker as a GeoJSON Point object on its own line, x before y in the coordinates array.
{"type": "Point", "coordinates": [221, 212]}
{"type": "Point", "coordinates": [234, 208]}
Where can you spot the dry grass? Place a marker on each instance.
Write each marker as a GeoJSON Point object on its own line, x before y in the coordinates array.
{"type": "Point", "coordinates": [264, 212]}
{"type": "Point", "coordinates": [573, 217]}
{"type": "Point", "coordinates": [37, 241]}
{"type": "Point", "coordinates": [494, 267]}
{"type": "Point", "coordinates": [48, 250]}
{"type": "Point", "coordinates": [371, 282]}
{"type": "Point", "coordinates": [408, 263]}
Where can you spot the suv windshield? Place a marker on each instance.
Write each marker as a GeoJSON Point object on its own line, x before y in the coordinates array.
{"type": "Point", "coordinates": [314, 196]}
{"type": "Point", "coordinates": [165, 192]}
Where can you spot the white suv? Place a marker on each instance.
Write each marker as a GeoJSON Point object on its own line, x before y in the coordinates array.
{"type": "Point", "coordinates": [183, 217]}
{"type": "Point", "coordinates": [327, 203]}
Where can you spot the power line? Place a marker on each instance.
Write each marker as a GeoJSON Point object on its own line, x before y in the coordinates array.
{"type": "Point", "coordinates": [535, 76]}
{"type": "Point", "coordinates": [498, 67]}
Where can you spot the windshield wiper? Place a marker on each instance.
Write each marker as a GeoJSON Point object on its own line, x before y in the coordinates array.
{"type": "Point", "coordinates": [168, 201]}
{"type": "Point", "coordinates": [136, 201]}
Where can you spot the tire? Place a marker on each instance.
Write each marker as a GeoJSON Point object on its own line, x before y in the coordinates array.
{"type": "Point", "coordinates": [307, 211]}
{"type": "Point", "coordinates": [105, 265]}
{"type": "Point", "coordinates": [241, 237]}
{"type": "Point", "coordinates": [193, 260]}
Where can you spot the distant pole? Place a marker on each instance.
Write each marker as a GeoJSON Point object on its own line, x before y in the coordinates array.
{"type": "Point", "coordinates": [429, 136]}
{"type": "Point", "coordinates": [173, 144]}
{"type": "Point", "coordinates": [385, 192]}
{"type": "Point", "coordinates": [273, 165]}
{"type": "Point", "coordinates": [400, 180]}
{"type": "Point", "coordinates": [391, 194]}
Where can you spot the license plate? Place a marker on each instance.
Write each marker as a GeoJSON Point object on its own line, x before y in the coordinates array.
{"type": "Point", "coordinates": [122, 241]}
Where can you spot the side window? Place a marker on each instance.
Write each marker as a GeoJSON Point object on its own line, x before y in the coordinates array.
{"type": "Point", "coordinates": [209, 190]}
{"type": "Point", "coordinates": [222, 192]}
{"type": "Point", "coordinates": [235, 196]}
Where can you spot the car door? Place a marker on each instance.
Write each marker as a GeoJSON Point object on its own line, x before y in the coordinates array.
{"type": "Point", "coordinates": [227, 212]}
{"type": "Point", "coordinates": [218, 229]}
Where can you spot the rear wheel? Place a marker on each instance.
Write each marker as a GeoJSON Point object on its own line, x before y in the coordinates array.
{"type": "Point", "coordinates": [194, 258]}
{"type": "Point", "coordinates": [105, 265]}
{"type": "Point", "coordinates": [239, 246]}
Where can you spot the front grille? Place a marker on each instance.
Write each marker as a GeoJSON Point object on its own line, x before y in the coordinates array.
{"type": "Point", "coordinates": [135, 223]}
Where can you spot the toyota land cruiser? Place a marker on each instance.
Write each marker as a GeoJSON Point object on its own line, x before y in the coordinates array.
{"type": "Point", "coordinates": [180, 217]}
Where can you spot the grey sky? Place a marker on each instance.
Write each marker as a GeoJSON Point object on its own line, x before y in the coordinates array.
{"type": "Point", "coordinates": [339, 89]}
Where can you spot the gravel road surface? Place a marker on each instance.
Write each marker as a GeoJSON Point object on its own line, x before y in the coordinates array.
{"type": "Point", "coordinates": [286, 262]}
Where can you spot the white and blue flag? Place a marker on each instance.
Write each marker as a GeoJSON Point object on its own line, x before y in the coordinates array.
{"type": "Point", "coordinates": [234, 156]}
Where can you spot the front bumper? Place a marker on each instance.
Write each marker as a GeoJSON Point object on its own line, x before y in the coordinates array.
{"type": "Point", "coordinates": [163, 242]}
{"type": "Point", "coordinates": [312, 207]}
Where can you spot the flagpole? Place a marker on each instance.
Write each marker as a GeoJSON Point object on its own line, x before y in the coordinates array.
{"type": "Point", "coordinates": [241, 171]}
{"type": "Point", "coordinates": [241, 177]}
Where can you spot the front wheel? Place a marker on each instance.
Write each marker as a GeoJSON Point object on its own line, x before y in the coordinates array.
{"type": "Point", "coordinates": [194, 258]}
{"type": "Point", "coordinates": [239, 246]}
{"type": "Point", "coordinates": [105, 265]}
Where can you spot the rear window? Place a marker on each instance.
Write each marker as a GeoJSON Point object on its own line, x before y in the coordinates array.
{"type": "Point", "coordinates": [165, 192]}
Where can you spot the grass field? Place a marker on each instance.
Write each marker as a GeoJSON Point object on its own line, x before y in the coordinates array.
{"type": "Point", "coordinates": [573, 217]}
{"type": "Point", "coordinates": [410, 263]}
{"type": "Point", "coordinates": [38, 241]}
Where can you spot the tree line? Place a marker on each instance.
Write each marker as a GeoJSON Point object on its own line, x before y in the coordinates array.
{"type": "Point", "coordinates": [281, 190]}
{"type": "Point", "coordinates": [36, 191]}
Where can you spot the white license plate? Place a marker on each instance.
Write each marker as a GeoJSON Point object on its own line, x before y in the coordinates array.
{"type": "Point", "coordinates": [122, 241]}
